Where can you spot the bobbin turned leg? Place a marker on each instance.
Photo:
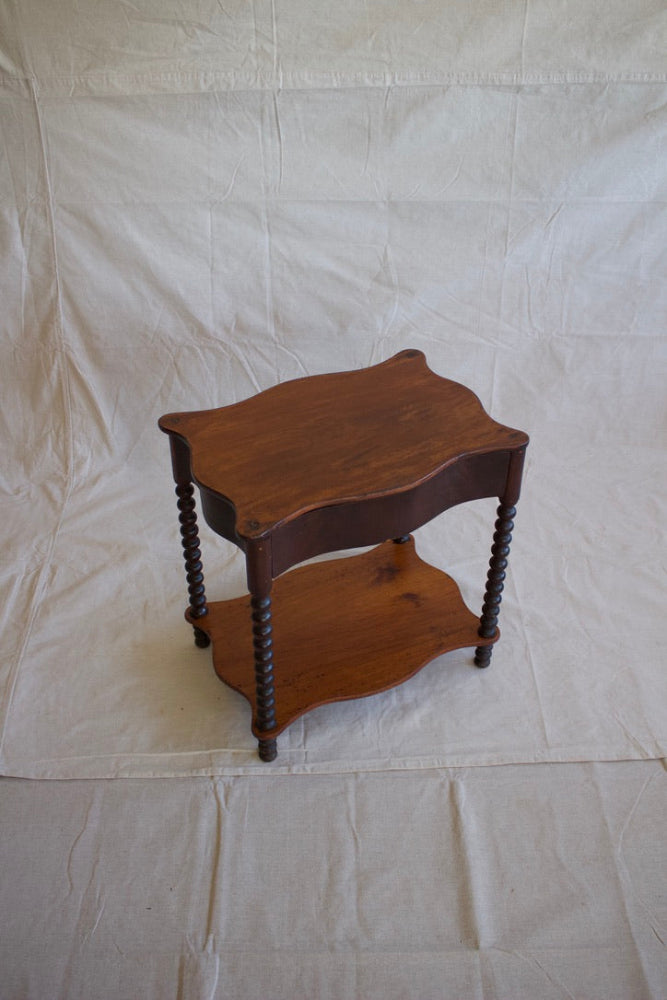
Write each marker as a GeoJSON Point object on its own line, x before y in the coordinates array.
{"type": "Point", "coordinates": [192, 556]}
{"type": "Point", "coordinates": [262, 638]}
{"type": "Point", "coordinates": [495, 581]}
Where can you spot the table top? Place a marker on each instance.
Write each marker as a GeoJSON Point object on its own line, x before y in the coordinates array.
{"type": "Point", "coordinates": [331, 439]}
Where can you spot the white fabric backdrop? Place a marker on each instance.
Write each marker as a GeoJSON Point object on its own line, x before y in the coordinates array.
{"type": "Point", "coordinates": [199, 201]}
{"type": "Point", "coordinates": [513, 883]}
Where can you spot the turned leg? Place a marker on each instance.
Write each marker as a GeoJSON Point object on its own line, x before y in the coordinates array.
{"type": "Point", "coordinates": [495, 581]}
{"type": "Point", "coordinates": [262, 631]}
{"type": "Point", "coordinates": [192, 556]}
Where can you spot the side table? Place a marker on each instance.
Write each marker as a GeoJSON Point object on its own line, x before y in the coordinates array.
{"type": "Point", "coordinates": [334, 462]}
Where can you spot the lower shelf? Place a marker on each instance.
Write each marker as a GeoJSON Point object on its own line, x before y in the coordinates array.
{"type": "Point", "coordinates": [344, 628]}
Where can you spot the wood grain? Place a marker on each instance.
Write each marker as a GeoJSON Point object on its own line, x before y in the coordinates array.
{"type": "Point", "coordinates": [334, 439]}
{"type": "Point", "coordinates": [345, 628]}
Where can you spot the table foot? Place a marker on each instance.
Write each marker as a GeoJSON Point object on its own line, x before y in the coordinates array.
{"type": "Point", "coordinates": [483, 656]}
{"type": "Point", "coordinates": [201, 639]}
{"type": "Point", "coordinates": [267, 749]}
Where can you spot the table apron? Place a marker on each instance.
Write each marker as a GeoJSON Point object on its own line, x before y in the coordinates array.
{"type": "Point", "coordinates": [370, 521]}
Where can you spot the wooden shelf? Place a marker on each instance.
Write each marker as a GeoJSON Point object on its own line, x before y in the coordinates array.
{"type": "Point", "coordinates": [344, 628]}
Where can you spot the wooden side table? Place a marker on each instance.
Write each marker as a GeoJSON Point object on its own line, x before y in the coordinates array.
{"type": "Point", "coordinates": [336, 462]}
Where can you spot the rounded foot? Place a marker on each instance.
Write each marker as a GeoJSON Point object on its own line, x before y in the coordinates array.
{"type": "Point", "coordinates": [267, 749]}
{"type": "Point", "coordinates": [483, 656]}
{"type": "Point", "coordinates": [201, 639]}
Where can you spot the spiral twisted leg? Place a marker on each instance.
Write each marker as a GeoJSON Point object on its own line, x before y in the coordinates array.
{"type": "Point", "coordinates": [262, 637]}
{"type": "Point", "coordinates": [495, 581]}
{"type": "Point", "coordinates": [192, 556]}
